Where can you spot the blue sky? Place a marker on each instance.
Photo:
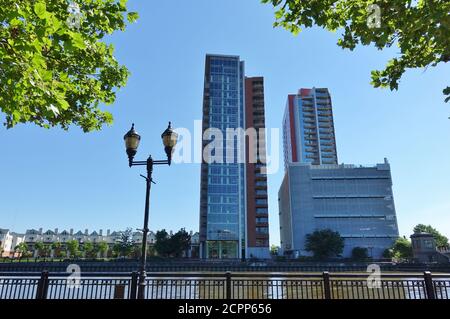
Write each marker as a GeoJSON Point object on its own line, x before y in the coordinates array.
{"type": "Point", "coordinates": [57, 179]}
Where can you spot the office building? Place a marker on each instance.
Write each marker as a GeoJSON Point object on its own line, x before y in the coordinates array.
{"type": "Point", "coordinates": [356, 201]}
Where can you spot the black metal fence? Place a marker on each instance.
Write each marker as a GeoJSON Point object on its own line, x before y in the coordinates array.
{"type": "Point", "coordinates": [209, 266]}
{"type": "Point", "coordinates": [224, 286]}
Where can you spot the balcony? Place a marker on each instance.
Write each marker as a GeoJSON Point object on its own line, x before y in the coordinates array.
{"type": "Point", "coordinates": [326, 144]}
{"type": "Point", "coordinates": [260, 184]}
{"type": "Point", "coordinates": [261, 202]}
{"type": "Point", "coordinates": [258, 175]}
{"type": "Point", "coordinates": [261, 192]}
{"type": "Point", "coordinates": [310, 144]}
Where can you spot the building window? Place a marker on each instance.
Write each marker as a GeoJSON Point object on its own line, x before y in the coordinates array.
{"type": "Point", "coordinates": [262, 243]}
{"type": "Point", "coordinates": [262, 230]}
{"type": "Point", "coordinates": [262, 211]}
{"type": "Point", "coordinates": [428, 243]}
{"type": "Point", "coordinates": [261, 202]}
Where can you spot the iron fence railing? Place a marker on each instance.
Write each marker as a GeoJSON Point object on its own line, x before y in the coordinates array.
{"type": "Point", "coordinates": [218, 285]}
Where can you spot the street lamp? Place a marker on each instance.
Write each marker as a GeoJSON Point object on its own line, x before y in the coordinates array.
{"type": "Point", "coordinates": [132, 139]}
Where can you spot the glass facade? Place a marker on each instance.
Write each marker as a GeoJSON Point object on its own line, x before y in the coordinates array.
{"type": "Point", "coordinates": [225, 189]}
{"type": "Point", "coordinates": [355, 201]}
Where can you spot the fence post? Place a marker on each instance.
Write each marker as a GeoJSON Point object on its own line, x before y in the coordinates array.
{"type": "Point", "coordinates": [429, 285]}
{"type": "Point", "coordinates": [326, 285]}
{"type": "Point", "coordinates": [42, 286]}
{"type": "Point", "coordinates": [228, 284]}
{"type": "Point", "coordinates": [134, 282]}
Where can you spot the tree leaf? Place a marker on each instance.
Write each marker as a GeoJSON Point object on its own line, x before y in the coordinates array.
{"type": "Point", "coordinates": [78, 41]}
{"type": "Point", "coordinates": [419, 28]}
{"type": "Point", "coordinates": [132, 16]}
{"type": "Point", "coordinates": [47, 68]}
{"type": "Point", "coordinates": [41, 10]}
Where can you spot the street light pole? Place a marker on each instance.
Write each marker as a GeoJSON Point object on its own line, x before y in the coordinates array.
{"type": "Point", "coordinates": [132, 140]}
{"type": "Point", "coordinates": [145, 230]}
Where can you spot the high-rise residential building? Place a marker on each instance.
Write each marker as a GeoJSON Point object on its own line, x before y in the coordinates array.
{"type": "Point", "coordinates": [256, 178]}
{"type": "Point", "coordinates": [355, 201]}
{"type": "Point", "coordinates": [233, 210]}
{"type": "Point", "coordinates": [308, 128]}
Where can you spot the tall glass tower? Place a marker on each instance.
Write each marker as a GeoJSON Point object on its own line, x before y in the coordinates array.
{"type": "Point", "coordinates": [308, 128]}
{"type": "Point", "coordinates": [222, 203]}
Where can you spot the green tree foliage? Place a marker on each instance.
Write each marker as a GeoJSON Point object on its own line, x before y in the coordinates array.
{"type": "Point", "coordinates": [360, 253]}
{"type": "Point", "coordinates": [420, 29]}
{"type": "Point", "coordinates": [274, 250]}
{"type": "Point", "coordinates": [116, 250]}
{"type": "Point", "coordinates": [101, 248]}
{"type": "Point", "coordinates": [56, 247]}
{"type": "Point", "coordinates": [441, 240]}
{"type": "Point", "coordinates": [53, 73]}
{"type": "Point", "coordinates": [324, 243]}
{"type": "Point", "coordinates": [172, 246]}
{"type": "Point", "coordinates": [89, 250]}
{"type": "Point", "coordinates": [162, 243]}
{"type": "Point", "coordinates": [39, 248]}
{"type": "Point", "coordinates": [388, 254]}
{"type": "Point", "coordinates": [73, 246]}
{"type": "Point", "coordinates": [47, 250]}
{"type": "Point", "coordinates": [125, 244]}
{"type": "Point", "coordinates": [136, 252]}
{"type": "Point", "coordinates": [180, 242]}
{"type": "Point", "coordinates": [22, 250]}
{"type": "Point", "coordinates": [402, 249]}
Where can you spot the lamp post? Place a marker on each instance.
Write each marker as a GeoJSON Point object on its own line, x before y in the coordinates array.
{"type": "Point", "coordinates": [132, 139]}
